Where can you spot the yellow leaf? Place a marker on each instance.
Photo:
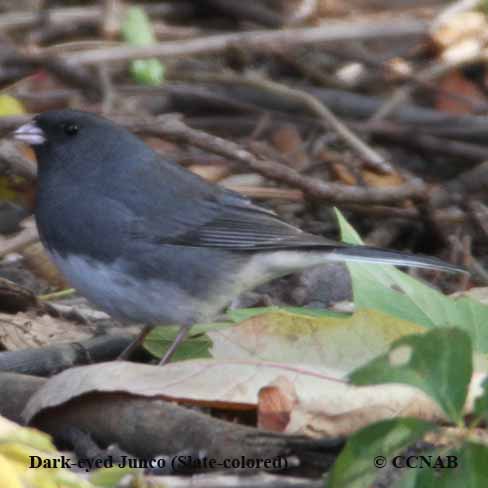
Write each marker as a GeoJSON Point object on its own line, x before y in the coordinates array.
{"type": "Point", "coordinates": [10, 106]}
{"type": "Point", "coordinates": [9, 474]}
{"type": "Point", "coordinates": [6, 426]}
{"type": "Point", "coordinates": [17, 446]}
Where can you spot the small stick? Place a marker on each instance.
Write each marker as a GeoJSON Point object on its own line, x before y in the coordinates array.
{"type": "Point", "coordinates": [429, 74]}
{"type": "Point", "coordinates": [311, 104]}
{"type": "Point", "coordinates": [20, 241]}
{"type": "Point", "coordinates": [262, 40]}
{"type": "Point", "coordinates": [172, 128]}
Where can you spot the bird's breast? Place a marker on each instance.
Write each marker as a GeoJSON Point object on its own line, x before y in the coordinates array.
{"type": "Point", "coordinates": [128, 298]}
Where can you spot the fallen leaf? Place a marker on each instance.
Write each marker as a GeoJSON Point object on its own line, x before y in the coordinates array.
{"type": "Point", "coordinates": [28, 329]}
{"type": "Point", "coordinates": [456, 83]}
{"type": "Point", "coordinates": [211, 172]}
{"type": "Point", "coordinates": [10, 106]}
{"type": "Point", "coordinates": [381, 181]}
{"type": "Point", "coordinates": [344, 174]}
{"type": "Point", "coordinates": [17, 445]}
{"type": "Point", "coordinates": [288, 141]}
{"type": "Point", "coordinates": [459, 27]}
{"type": "Point", "coordinates": [216, 383]}
{"type": "Point", "coordinates": [313, 401]}
{"type": "Point", "coordinates": [37, 261]}
{"type": "Point", "coordinates": [339, 342]}
{"type": "Point", "coordinates": [15, 298]}
{"type": "Point", "coordinates": [479, 294]}
{"type": "Point", "coordinates": [276, 401]}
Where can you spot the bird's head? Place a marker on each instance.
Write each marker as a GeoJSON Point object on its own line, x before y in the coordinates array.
{"type": "Point", "coordinates": [76, 140]}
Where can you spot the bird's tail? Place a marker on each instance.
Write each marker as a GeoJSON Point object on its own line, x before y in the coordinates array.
{"type": "Point", "coordinates": [366, 254]}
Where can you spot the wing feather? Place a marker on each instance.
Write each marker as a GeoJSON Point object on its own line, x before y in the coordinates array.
{"type": "Point", "coordinates": [239, 224]}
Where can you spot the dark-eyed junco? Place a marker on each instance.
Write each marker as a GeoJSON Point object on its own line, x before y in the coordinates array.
{"type": "Point", "coordinates": [149, 242]}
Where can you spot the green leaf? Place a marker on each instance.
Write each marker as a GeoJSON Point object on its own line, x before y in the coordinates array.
{"type": "Point", "coordinates": [290, 335]}
{"type": "Point", "coordinates": [383, 287]}
{"type": "Point", "coordinates": [355, 467]}
{"type": "Point", "coordinates": [147, 71]}
{"type": "Point", "coordinates": [438, 362]}
{"type": "Point", "coordinates": [196, 346]}
{"type": "Point", "coordinates": [348, 233]}
{"type": "Point", "coordinates": [240, 314]}
{"type": "Point", "coordinates": [137, 31]}
{"type": "Point", "coordinates": [464, 467]}
{"type": "Point", "coordinates": [109, 477]}
{"type": "Point", "coordinates": [481, 403]}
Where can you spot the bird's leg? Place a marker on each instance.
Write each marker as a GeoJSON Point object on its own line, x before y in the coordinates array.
{"type": "Point", "coordinates": [183, 332]}
{"type": "Point", "coordinates": [139, 339]}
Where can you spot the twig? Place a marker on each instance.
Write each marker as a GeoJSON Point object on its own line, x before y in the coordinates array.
{"type": "Point", "coordinates": [107, 88]}
{"type": "Point", "coordinates": [13, 162]}
{"type": "Point", "coordinates": [411, 136]}
{"type": "Point", "coordinates": [48, 360]}
{"type": "Point", "coordinates": [265, 193]}
{"type": "Point", "coordinates": [262, 40]}
{"type": "Point", "coordinates": [170, 127]}
{"type": "Point", "coordinates": [474, 180]}
{"type": "Point", "coordinates": [20, 241]}
{"type": "Point", "coordinates": [479, 211]}
{"type": "Point", "coordinates": [254, 11]}
{"type": "Point", "coordinates": [347, 104]}
{"type": "Point", "coordinates": [71, 15]}
{"type": "Point", "coordinates": [429, 74]}
{"type": "Point", "coordinates": [472, 264]}
{"type": "Point", "coordinates": [16, 390]}
{"type": "Point", "coordinates": [110, 24]}
{"type": "Point", "coordinates": [311, 104]}
{"type": "Point", "coordinates": [194, 96]}
{"type": "Point", "coordinates": [309, 71]}
{"type": "Point", "coordinates": [384, 234]}
{"type": "Point", "coordinates": [76, 76]}
{"type": "Point", "coordinates": [447, 217]}
{"type": "Point", "coordinates": [304, 10]}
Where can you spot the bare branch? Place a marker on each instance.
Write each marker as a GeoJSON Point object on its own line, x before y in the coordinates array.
{"type": "Point", "coordinates": [262, 40]}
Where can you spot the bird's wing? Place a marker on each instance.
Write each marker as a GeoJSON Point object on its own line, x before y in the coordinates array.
{"type": "Point", "coordinates": [238, 224]}
{"type": "Point", "coordinates": [191, 212]}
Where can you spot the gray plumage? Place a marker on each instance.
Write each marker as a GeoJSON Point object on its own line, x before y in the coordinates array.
{"type": "Point", "coordinates": [150, 242]}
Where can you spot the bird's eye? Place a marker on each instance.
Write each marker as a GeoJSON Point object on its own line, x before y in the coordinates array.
{"type": "Point", "coordinates": [70, 129]}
